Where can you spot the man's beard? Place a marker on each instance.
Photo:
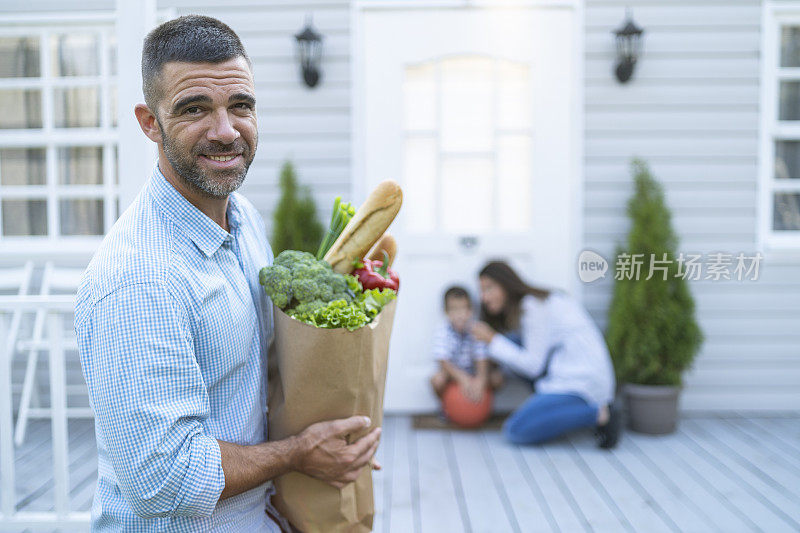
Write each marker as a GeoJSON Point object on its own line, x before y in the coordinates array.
{"type": "Point", "coordinates": [187, 166]}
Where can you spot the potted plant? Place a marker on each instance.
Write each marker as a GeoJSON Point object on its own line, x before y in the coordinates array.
{"type": "Point", "coordinates": [295, 222]}
{"type": "Point", "coordinates": [652, 332]}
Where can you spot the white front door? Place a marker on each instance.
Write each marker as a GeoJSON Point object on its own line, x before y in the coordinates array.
{"type": "Point", "coordinates": [475, 112]}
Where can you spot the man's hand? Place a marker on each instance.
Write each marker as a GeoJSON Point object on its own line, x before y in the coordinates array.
{"type": "Point", "coordinates": [322, 451]}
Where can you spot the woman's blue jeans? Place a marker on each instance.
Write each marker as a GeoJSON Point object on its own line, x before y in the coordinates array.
{"type": "Point", "coordinates": [546, 416]}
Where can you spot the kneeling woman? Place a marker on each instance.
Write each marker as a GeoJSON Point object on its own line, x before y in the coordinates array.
{"type": "Point", "coordinates": [548, 338]}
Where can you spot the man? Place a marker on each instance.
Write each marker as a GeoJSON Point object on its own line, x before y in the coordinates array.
{"type": "Point", "coordinates": [173, 328]}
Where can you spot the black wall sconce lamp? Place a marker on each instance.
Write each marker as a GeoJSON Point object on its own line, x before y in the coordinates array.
{"type": "Point", "coordinates": [309, 50]}
{"type": "Point", "coordinates": [629, 46]}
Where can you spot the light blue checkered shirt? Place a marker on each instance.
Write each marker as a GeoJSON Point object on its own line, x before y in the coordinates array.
{"type": "Point", "coordinates": [173, 331]}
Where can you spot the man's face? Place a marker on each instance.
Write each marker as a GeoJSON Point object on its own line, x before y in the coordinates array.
{"type": "Point", "coordinates": [207, 118]}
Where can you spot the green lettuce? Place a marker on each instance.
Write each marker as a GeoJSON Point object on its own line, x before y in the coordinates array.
{"type": "Point", "coordinates": [343, 314]}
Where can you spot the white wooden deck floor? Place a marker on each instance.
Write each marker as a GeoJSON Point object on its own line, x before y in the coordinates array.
{"type": "Point", "coordinates": [714, 474]}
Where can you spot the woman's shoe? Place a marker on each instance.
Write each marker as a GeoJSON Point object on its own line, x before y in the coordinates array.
{"type": "Point", "coordinates": [608, 434]}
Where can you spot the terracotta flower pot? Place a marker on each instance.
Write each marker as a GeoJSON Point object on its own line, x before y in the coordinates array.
{"type": "Point", "coordinates": [652, 409]}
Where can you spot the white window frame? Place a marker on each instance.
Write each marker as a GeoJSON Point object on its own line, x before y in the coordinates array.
{"type": "Point", "coordinates": [51, 138]}
{"type": "Point", "coordinates": [774, 16]}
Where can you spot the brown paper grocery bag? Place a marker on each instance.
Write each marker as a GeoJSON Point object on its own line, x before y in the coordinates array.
{"type": "Point", "coordinates": [322, 374]}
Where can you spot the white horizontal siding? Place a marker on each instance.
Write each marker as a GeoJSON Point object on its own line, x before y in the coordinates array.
{"type": "Point", "coordinates": [737, 197]}
{"type": "Point", "coordinates": [656, 95]}
{"type": "Point", "coordinates": [39, 6]}
{"type": "Point", "coordinates": [708, 122]}
{"type": "Point", "coordinates": [691, 111]}
{"type": "Point", "coordinates": [675, 171]}
{"type": "Point", "coordinates": [684, 16]}
{"type": "Point", "coordinates": [669, 43]}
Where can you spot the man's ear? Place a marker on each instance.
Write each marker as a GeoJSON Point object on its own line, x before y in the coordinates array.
{"type": "Point", "coordinates": [148, 122]}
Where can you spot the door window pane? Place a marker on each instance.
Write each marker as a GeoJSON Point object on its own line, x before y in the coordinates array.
{"type": "Point", "coordinates": [467, 98]}
{"type": "Point", "coordinates": [19, 57]}
{"type": "Point", "coordinates": [514, 182]}
{"type": "Point", "coordinates": [75, 54]}
{"type": "Point", "coordinates": [513, 95]}
{"type": "Point", "coordinates": [790, 46]}
{"type": "Point", "coordinates": [787, 159]}
{"type": "Point", "coordinates": [24, 217]}
{"type": "Point", "coordinates": [22, 166]}
{"type": "Point", "coordinates": [81, 216]}
{"type": "Point", "coordinates": [419, 183]}
{"type": "Point", "coordinates": [80, 165]}
{"type": "Point", "coordinates": [466, 194]}
{"type": "Point", "coordinates": [419, 98]}
{"type": "Point", "coordinates": [20, 108]}
{"type": "Point", "coordinates": [789, 108]}
{"type": "Point", "coordinates": [77, 107]}
{"type": "Point", "coordinates": [786, 212]}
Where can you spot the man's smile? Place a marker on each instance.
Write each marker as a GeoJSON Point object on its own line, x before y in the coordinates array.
{"type": "Point", "coordinates": [222, 160]}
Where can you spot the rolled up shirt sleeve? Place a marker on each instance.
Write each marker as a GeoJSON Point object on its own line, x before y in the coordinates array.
{"type": "Point", "coordinates": [150, 401]}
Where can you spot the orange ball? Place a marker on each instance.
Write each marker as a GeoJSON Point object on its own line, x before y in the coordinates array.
{"type": "Point", "coordinates": [461, 411]}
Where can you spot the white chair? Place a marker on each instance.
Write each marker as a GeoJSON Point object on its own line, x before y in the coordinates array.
{"type": "Point", "coordinates": [15, 280]}
{"type": "Point", "coordinates": [55, 280]}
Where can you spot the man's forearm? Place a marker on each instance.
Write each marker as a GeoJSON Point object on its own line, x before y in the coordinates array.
{"type": "Point", "coordinates": [320, 451]}
{"type": "Point", "coordinates": [247, 467]}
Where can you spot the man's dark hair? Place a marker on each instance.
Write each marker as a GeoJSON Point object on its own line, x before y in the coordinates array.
{"type": "Point", "coordinates": [189, 39]}
{"type": "Point", "coordinates": [456, 291]}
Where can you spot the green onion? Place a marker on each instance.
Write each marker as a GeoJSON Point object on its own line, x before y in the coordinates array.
{"type": "Point", "coordinates": [341, 215]}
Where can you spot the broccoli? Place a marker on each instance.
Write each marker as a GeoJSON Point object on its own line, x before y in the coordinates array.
{"type": "Point", "coordinates": [296, 280]}
{"type": "Point", "coordinates": [337, 282]}
{"type": "Point", "coordinates": [305, 289]}
{"type": "Point", "coordinates": [293, 259]}
{"type": "Point", "coordinates": [316, 282]}
{"type": "Point", "coordinates": [325, 293]}
{"type": "Point", "coordinates": [306, 309]}
{"type": "Point", "coordinates": [335, 288]}
{"type": "Point", "coordinates": [314, 271]}
{"type": "Point", "coordinates": [277, 282]}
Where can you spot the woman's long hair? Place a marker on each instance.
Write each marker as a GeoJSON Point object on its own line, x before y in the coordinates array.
{"type": "Point", "coordinates": [515, 288]}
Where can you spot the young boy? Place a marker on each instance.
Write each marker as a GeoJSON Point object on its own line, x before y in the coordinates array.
{"type": "Point", "coordinates": [461, 358]}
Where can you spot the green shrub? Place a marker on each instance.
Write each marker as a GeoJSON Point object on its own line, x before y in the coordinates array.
{"type": "Point", "coordinates": [652, 332]}
{"type": "Point", "coordinates": [295, 222]}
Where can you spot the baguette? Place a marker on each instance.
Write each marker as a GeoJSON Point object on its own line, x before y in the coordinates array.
{"type": "Point", "coordinates": [366, 227]}
{"type": "Point", "coordinates": [387, 244]}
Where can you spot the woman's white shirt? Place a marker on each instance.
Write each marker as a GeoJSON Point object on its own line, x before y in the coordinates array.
{"type": "Point", "coordinates": [581, 364]}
